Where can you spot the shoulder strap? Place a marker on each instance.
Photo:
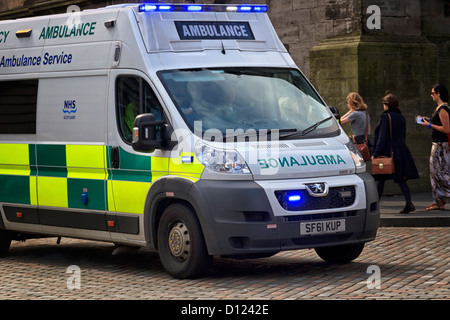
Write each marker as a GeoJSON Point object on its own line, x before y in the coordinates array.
{"type": "Point", "coordinates": [447, 107]}
{"type": "Point", "coordinates": [367, 127]}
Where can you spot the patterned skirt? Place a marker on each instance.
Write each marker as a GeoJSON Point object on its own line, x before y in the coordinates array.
{"type": "Point", "coordinates": [440, 172]}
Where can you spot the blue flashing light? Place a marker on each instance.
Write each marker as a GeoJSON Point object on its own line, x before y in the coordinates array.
{"type": "Point", "coordinates": [259, 8]}
{"type": "Point", "coordinates": [147, 7]}
{"type": "Point", "coordinates": [165, 8]}
{"type": "Point", "coordinates": [244, 9]}
{"type": "Point", "coordinates": [294, 198]}
{"type": "Point", "coordinates": [194, 8]}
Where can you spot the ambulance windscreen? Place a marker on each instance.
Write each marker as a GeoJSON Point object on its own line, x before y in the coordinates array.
{"type": "Point", "coordinates": [244, 98]}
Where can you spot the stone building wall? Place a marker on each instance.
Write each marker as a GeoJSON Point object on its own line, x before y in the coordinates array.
{"type": "Point", "coordinates": [301, 24]}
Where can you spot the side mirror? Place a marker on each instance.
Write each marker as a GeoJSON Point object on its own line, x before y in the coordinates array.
{"type": "Point", "coordinates": [336, 113]}
{"type": "Point", "coordinates": [145, 134]}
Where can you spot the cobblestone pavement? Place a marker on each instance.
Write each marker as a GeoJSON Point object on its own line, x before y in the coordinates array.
{"type": "Point", "coordinates": [414, 263]}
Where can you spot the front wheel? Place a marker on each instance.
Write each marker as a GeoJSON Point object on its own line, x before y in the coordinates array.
{"type": "Point", "coordinates": [181, 245]}
{"type": "Point", "coordinates": [340, 254]}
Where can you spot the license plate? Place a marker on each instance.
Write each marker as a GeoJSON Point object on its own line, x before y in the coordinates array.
{"type": "Point", "coordinates": [322, 227]}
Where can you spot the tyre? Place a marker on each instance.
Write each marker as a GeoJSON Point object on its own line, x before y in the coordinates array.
{"type": "Point", "coordinates": [181, 245]}
{"type": "Point", "coordinates": [5, 242]}
{"type": "Point", "coordinates": [340, 254]}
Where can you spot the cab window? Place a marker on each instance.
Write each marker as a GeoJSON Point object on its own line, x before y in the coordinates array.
{"type": "Point", "coordinates": [134, 96]}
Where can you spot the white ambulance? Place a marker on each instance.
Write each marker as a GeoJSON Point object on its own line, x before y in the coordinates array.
{"type": "Point", "coordinates": [187, 129]}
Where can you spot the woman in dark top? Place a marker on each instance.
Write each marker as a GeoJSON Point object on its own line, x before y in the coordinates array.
{"type": "Point", "coordinates": [404, 165]}
{"type": "Point", "coordinates": [440, 153]}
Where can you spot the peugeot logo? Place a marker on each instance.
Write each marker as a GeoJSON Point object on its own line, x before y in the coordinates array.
{"type": "Point", "coordinates": [319, 189]}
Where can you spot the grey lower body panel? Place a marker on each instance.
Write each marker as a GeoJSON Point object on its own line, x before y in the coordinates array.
{"type": "Point", "coordinates": [75, 219]}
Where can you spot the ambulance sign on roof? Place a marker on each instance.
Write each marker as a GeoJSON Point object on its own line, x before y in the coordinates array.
{"type": "Point", "coordinates": [214, 30]}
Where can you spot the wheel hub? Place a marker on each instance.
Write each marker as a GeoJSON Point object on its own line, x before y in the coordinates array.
{"type": "Point", "coordinates": [179, 241]}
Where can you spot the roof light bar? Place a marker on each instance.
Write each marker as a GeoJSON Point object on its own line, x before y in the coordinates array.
{"type": "Point", "coordinates": [149, 7]}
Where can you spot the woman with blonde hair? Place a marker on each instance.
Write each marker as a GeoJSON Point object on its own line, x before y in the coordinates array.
{"type": "Point", "coordinates": [357, 116]}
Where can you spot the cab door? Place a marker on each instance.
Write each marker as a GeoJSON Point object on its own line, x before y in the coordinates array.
{"type": "Point", "coordinates": [130, 173]}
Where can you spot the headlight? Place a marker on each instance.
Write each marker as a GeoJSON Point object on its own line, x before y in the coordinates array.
{"type": "Point", "coordinates": [356, 155]}
{"type": "Point", "coordinates": [228, 161]}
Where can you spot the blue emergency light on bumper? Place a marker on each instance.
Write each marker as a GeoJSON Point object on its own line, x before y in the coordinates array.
{"type": "Point", "coordinates": [149, 7]}
{"type": "Point", "coordinates": [294, 198]}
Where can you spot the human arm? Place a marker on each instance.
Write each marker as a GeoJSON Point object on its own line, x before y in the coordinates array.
{"type": "Point", "coordinates": [445, 120]}
{"type": "Point", "coordinates": [383, 136]}
{"type": "Point", "coordinates": [345, 118]}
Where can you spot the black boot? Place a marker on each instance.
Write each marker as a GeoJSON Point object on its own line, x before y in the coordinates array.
{"type": "Point", "coordinates": [408, 208]}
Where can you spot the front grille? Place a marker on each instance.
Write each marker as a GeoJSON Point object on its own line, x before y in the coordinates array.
{"type": "Point", "coordinates": [337, 197]}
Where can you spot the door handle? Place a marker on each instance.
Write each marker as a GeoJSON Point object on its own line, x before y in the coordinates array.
{"type": "Point", "coordinates": [115, 158]}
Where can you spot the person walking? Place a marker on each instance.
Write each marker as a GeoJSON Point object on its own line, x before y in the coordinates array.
{"type": "Point", "coordinates": [359, 120]}
{"type": "Point", "coordinates": [390, 135]}
{"type": "Point", "coordinates": [439, 124]}
{"type": "Point", "coordinates": [357, 116]}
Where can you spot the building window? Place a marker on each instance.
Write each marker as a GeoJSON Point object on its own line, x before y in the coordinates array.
{"type": "Point", "coordinates": [18, 101]}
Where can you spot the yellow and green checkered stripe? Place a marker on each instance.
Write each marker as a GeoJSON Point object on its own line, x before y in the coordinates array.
{"type": "Point", "coordinates": [128, 185]}
{"type": "Point", "coordinates": [56, 176]}
{"type": "Point", "coordinates": [18, 174]}
{"type": "Point", "coordinates": [66, 171]}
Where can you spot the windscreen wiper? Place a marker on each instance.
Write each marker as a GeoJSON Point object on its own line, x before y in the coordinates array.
{"type": "Point", "coordinates": [307, 130]}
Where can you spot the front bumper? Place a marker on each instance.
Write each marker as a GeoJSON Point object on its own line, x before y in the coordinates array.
{"type": "Point", "coordinates": [242, 217]}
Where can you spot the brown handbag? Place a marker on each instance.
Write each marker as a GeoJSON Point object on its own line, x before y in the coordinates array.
{"type": "Point", "coordinates": [384, 165]}
{"type": "Point", "coordinates": [363, 148]}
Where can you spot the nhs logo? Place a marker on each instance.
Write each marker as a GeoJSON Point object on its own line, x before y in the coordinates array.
{"type": "Point", "coordinates": [69, 109]}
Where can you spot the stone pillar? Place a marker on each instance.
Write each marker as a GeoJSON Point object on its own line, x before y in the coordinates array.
{"type": "Point", "coordinates": [395, 57]}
